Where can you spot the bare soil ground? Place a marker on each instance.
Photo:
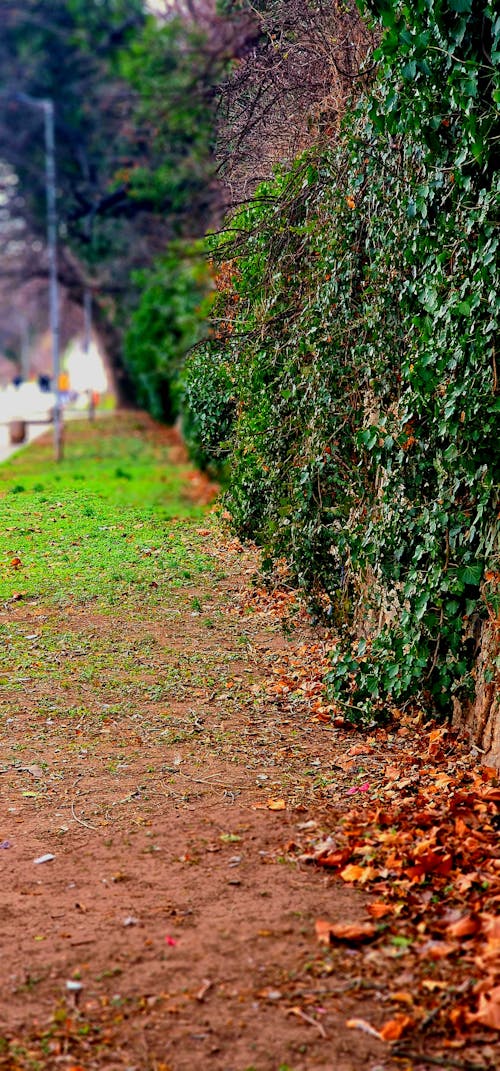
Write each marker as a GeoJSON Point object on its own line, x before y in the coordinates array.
{"type": "Point", "coordinates": [171, 898]}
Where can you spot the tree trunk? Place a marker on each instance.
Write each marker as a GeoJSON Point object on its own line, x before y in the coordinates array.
{"type": "Point", "coordinates": [480, 717]}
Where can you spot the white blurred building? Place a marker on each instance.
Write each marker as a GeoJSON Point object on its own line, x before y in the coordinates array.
{"type": "Point", "coordinates": [85, 368]}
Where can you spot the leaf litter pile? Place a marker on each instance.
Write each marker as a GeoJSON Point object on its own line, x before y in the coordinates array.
{"type": "Point", "coordinates": [202, 864]}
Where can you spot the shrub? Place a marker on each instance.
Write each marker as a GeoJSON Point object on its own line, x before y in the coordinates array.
{"type": "Point", "coordinates": [167, 323]}
{"type": "Point", "coordinates": [358, 333]}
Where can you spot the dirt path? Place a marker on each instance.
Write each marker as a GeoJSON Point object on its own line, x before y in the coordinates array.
{"type": "Point", "coordinates": [173, 767]}
{"type": "Point", "coordinates": [172, 897]}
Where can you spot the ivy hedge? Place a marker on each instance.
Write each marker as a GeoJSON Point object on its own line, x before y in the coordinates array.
{"type": "Point", "coordinates": [350, 381]}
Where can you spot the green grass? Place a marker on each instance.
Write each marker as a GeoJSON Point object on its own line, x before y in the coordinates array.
{"type": "Point", "coordinates": [110, 522]}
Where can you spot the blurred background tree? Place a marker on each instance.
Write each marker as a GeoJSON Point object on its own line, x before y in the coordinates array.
{"type": "Point", "coordinates": [132, 97]}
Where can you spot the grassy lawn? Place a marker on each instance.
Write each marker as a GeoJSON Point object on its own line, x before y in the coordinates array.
{"type": "Point", "coordinates": [113, 520]}
{"type": "Point", "coordinates": [104, 559]}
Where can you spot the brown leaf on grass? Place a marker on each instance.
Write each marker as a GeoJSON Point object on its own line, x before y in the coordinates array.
{"type": "Point", "coordinates": [394, 1028]}
{"type": "Point", "coordinates": [344, 931]}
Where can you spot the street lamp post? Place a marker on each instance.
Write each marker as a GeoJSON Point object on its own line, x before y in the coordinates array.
{"type": "Point", "coordinates": [47, 107]}
{"type": "Point", "coordinates": [50, 174]}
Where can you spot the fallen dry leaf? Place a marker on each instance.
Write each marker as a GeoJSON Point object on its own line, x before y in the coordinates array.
{"type": "Point", "coordinates": [378, 910]}
{"type": "Point", "coordinates": [333, 859]}
{"type": "Point", "coordinates": [366, 1028]}
{"type": "Point", "coordinates": [353, 872]}
{"type": "Point", "coordinates": [433, 985]}
{"type": "Point", "coordinates": [401, 996]}
{"type": "Point", "coordinates": [490, 925]}
{"type": "Point", "coordinates": [394, 1028]}
{"type": "Point", "coordinates": [464, 927]}
{"type": "Point", "coordinates": [344, 931]}
{"type": "Point", "coordinates": [322, 928]}
{"type": "Point", "coordinates": [437, 949]}
{"type": "Point", "coordinates": [276, 805]}
{"type": "Point", "coordinates": [488, 1013]}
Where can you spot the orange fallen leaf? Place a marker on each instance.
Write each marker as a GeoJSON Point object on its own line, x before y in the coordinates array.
{"type": "Point", "coordinates": [343, 931]}
{"type": "Point", "coordinates": [437, 949]}
{"type": "Point", "coordinates": [276, 805]}
{"type": "Point", "coordinates": [431, 862]}
{"type": "Point", "coordinates": [334, 859]}
{"type": "Point", "coordinates": [490, 773]}
{"type": "Point", "coordinates": [394, 1028]}
{"type": "Point", "coordinates": [490, 925]}
{"type": "Point", "coordinates": [464, 927]}
{"type": "Point", "coordinates": [489, 1009]}
{"type": "Point", "coordinates": [353, 872]}
{"type": "Point", "coordinates": [378, 910]}
{"type": "Point", "coordinates": [403, 997]}
{"type": "Point", "coordinates": [492, 794]}
{"type": "Point", "coordinates": [322, 928]}
{"type": "Point", "coordinates": [353, 931]}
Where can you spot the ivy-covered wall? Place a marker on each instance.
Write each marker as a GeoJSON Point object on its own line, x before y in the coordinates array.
{"type": "Point", "coordinates": [352, 367]}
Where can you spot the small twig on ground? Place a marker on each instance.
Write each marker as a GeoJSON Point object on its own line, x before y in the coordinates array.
{"type": "Point", "coordinates": [214, 784]}
{"type": "Point", "coordinates": [203, 990]}
{"type": "Point", "coordinates": [81, 822]}
{"type": "Point", "coordinates": [136, 794]}
{"type": "Point", "coordinates": [308, 1019]}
